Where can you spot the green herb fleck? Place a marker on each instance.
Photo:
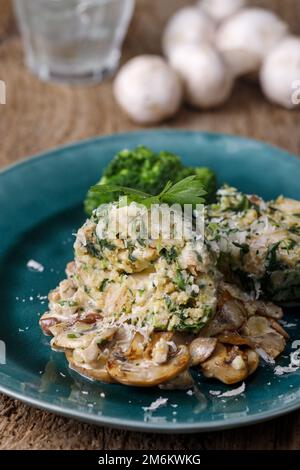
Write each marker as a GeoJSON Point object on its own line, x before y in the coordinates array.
{"type": "Point", "coordinates": [169, 255]}
{"type": "Point", "coordinates": [179, 280]}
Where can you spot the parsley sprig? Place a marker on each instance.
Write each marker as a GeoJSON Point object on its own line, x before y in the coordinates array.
{"type": "Point", "coordinates": [187, 191]}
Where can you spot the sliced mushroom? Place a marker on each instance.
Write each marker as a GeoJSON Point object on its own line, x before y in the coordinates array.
{"type": "Point", "coordinates": [201, 349]}
{"type": "Point", "coordinates": [130, 344]}
{"type": "Point", "coordinates": [277, 327]}
{"type": "Point", "coordinates": [80, 335]}
{"type": "Point", "coordinates": [53, 326]}
{"type": "Point", "coordinates": [260, 331]}
{"type": "Point", "coordinates": [235, 339]}
{"type": "Point", "coordinates": [230, 317]}
{"type": "Point", "coordinates": [70, 340]}
{"type": "Point", "coordinates": [142, 371]}
{"type": "Point", "coordinates": [268, 309]}
{"type": "Point", "coordinates": [229, 364]}
{"type": "Point", "coordinates": [90, 318]}
{"type": "Point", "coordinates": [46, 323]}
{"type": "Point", "coordinates": [96, 371]}
{"type": "Point", "coordinates": [257, 326]}
{"type": "Point", "coordinates": [183, 381]}
{"type": "Point", "coordinates": [252, 359]}
{"type": "Point", "coordinates": [159, 347]}
{"type": "Point", "coordinates": [59, 328]}
{"type": "Point", "coordinates": [123, 339]}
{"type": "Point", "coordinates": [272, 343]}
{"type": "Point", "coordinates": [230, 292]}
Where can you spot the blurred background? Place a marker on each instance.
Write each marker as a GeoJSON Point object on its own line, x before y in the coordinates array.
{"type": "Point", "coordinates": [40, 115]}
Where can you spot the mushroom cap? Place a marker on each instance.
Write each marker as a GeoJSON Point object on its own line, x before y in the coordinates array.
{"type": "Point", "coordinates": [201, 349]}
{"type": "Point", "coordinates": [246, 38]}
{"type": "Point", "coordinates": [188, 25]}
{"type": "Point", "coordinates": [280, 73]}
{"type": "Point", "coordinates": [137, 367]}
{"type": "Point", "coordinates": [207, 80]}
{"type": "Point", "coordinates": [220, 10]}
{"type": "Point", "coordinates": [148, 89]}
{"type": "Point", "coordinates": [229, 364]}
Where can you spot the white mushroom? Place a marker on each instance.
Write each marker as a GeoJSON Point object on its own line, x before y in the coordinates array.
{"type": "Point", "coordinates": [280, 74]}
{"type": "Point", "coordinates": [230, 364]}
{"type": "Point", "coordinates": [201, 349]}
{"type": "Point", "coordinates": [148, 89]}
{"type": "Point", "coordinates": [248, 37]}
{"type": "Point", "coordinates": [220, 10]}
{"type": "Point", "coordinates": [144, 372]}
{"type": "Point", "coordinates": [207, 80]}
{"type": "Point", "coordinates": [188, 25]}
{"type": "Point", "coordinates": [138, 368]}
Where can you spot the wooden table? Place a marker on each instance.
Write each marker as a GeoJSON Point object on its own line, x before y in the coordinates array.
{"type": "Point", "coordinates": [39, 116]}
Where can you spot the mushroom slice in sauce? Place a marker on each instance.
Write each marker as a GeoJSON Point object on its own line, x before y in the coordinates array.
{"type": "Point", "coordinates": [253, 360]}
{"type": "Point", "coordinates": [143, 369]}
{"type": "Point", "coordinates": [277, 327]}
{"type": "Point", "coordinates": [53, 325]}
{"type": "Point", "coordinates": [229, 364]}
{"type": "Point", "coordinates": [235, 339]}
{"type": "Point", "coordinates": [47, 323]}
{"type": "Point", "coordinates": [230, 317]}
{"type": "Point", "coordinates": [266, 334]}
{"type": "Point", "coordinates": [268, 309]}
{"type": "Point", "coordinates": [201, 349]}
{"type": "Point", "coordinates": [80, 335]}
{"type": "Point", "coordinates": [95, 371]}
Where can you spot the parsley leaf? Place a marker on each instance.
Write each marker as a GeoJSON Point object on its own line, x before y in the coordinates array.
{"type": "Point", "coordinates": [187, 191]}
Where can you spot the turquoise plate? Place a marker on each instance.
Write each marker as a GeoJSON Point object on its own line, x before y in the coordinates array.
{"type": "Point", "coordinates": [41, 208]}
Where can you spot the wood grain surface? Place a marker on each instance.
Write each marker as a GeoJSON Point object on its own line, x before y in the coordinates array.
{"type": "Point", "coordinates": [39, 116]}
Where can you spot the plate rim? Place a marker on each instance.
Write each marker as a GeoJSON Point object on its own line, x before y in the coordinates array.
{"type": "Point", "coordinates": [137, 425]}
{"type": "Point", "coordinates": [162, 428]}
{"type": "Point", "coordinates": [119, 135]}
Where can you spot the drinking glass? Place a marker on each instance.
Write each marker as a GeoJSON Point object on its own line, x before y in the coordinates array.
{"type": "Point", "coordinates": [75, 41]}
